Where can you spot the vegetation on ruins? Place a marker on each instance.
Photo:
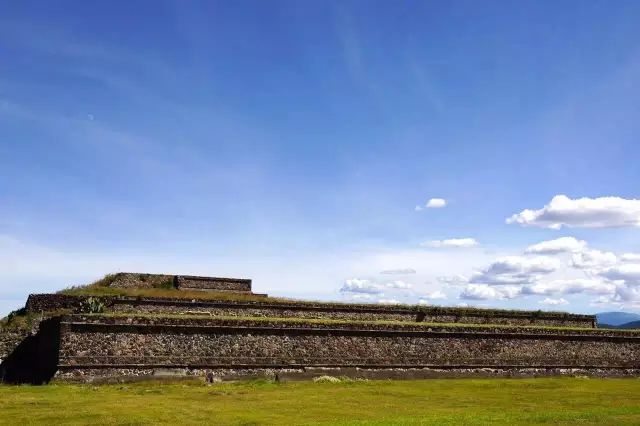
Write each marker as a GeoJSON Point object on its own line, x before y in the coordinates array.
{"type": "Point", "coordinates": [16, 320]}
{"type": "Point", "coordinates": [102, 287]}
{"type": "Point", "coordinates": [441, 402]}
{"type": "Point", "coordinates": [100, 291]}
{"type": "Point", "coordinates": [293, 321]}
{"type": "Point", "coordinates": [162, 292]}
{"type": "Point", "coordinates": [22, 320]}
{"type": "Point", "coordinates": [92, 305]}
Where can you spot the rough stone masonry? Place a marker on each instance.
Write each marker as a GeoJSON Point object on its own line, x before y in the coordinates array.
{"type": "Point", "coordinates": [148, 337]}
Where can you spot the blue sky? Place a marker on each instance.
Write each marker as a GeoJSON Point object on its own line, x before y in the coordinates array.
{"type": "Point", "coordinates": [291, 142]}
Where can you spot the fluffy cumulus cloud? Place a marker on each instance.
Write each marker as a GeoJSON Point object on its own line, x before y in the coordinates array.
{"type": "Point", "coordinates": [556, 268]}
{"type": "Point", "coordinates": [624, 295]}
{"type": "Point", "coordinates": [593, 260]}
{"type": "Point", "coordinates": [436, 203]}
{"type": "Point", "coordinates": [626, 274]}
{"type": "Point", "coordinates": [402, 271]}
{"type": "Point", "coordinates": [355, 285]}
{"type": "Point", "coordinates": [571, 286]}
{"type": "Point", "coordinates": [399, 285]}
{"type": "Point", "coordinates": [512, 270]}
{"type": "Point", "coordinates": [388, 301]}
{"type": "Point", "coordinates": [433, 203]}
{"type": "Point", "coordinates": [603, 212]}
{"type": "Point", "coordinates": [582, 257]}
{"type": "Point", "coordinates": [555, 272]}
{"type": "Point", "coordinates": [554, 302]}
{"type": "Point", "coordinates": [451, 243]}
{"type": "Point", "coordinates": [487, 292]}
{"type": "Point", "coordinates": [559, 245]}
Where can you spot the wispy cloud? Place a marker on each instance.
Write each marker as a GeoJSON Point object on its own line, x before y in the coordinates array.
{"type": "Point", "coordinates": [388, 301]}
{"type": "Point", "coordinates": [515, 270]}
{"type": "Point", "coordinates": [554, 302]}
{"type": "Point", "coordinates": [451, 243]}
{"type": "Point", "coordinates": [401, 271]}
{"type": "Point", "coordinates": [400, 285]}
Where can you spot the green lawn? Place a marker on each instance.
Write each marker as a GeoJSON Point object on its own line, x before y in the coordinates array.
{"type": "Point", "coordinates": [464, 401]}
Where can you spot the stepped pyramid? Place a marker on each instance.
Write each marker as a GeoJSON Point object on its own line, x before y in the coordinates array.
{"type": "Point", "coordinates": [132, 326]}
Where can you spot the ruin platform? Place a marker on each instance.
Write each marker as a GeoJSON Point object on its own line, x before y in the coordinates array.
{"type": "Point", "coordinates": [166, 326]}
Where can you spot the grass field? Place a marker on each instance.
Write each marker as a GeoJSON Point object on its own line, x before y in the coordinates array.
{"type": "Point", "coordinates": [454, 402]}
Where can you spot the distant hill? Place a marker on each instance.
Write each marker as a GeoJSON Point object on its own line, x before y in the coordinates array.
{"type": "Point", "coordinates": [626, 325]}
{"type": "Point", "coordinates": [616, 318]}
{"type": "Point", "coordinates": [632, 324]}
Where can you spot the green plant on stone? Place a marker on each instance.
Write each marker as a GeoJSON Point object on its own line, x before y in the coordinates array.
{"type": "Point", "coordinates": [92, 305]}
{"type": "Point", "coordinates": [165, 283]}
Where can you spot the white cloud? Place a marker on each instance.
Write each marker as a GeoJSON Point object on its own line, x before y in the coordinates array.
{"type": "Point", "coordinates": [400, 285]}
{"type": "Point", "coordinates": [603, 212]}
{"type": "Point", "coordinates": [582, 257]}
{"type": "Point", "coordinates": [451, 243]}
{"type": "Point", "coordinates": [515, 270]}
{"type": "Point", "coordinates": [630, 257]}
{"type": "Point", "coordinates": [453, 280]}
{"type": "Point", "coordinates": [627, 274]}
{"type": "Point", "coordinates": [388, 301]}
{"type": "Point", "coordinates": [602, 300]}
{"type": "Point", "coordinates": [405, 271]}
{"type": "Point", "coordinates": [486, 292]}
{"type": "Point", "coordinates": [361, 296]}
{"type": "Point", "coordinates": [626, 294]}
{"type": "Point", "coordinates": [436, 203]}
{"type": "Point", "coordinates": [355, 285]}
{"type": "Point", "coordinates": [572, 286]}
{"type": "Point", "coordinates": [593, 260]}
{"type": "Point", "coordinates": [559, 245]}
{"type": "Point", "coordinates": [624, 298]}
{"type": "Point", "coordinates": [424, 302]}
{"type": "Point", "coordinates": [435, 295]}
{"type": "Point", "coordinates": [554, 302]}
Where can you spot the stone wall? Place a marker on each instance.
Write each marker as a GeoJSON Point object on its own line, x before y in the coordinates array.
{"type": "Point", "coordinates": [278, 309]}
{"type": "Point", "coordinates": [124, 375]}
{"type": "Point", "coordinates": [194, 322]}
{"type": "Point", "coordinates": [187, 282]}
{"type": "Point", "coordinates": [9, 340]}
{"type": "Point", "coordinates": [237, 310]}
{"type": "Point", "coordinates": [231, 310]}
{"type": "Point", "coordinates": [93, 341]}
{"type": "Point", "coordinates": [136, 280]}
{"type": "Point", "coordinates": [184, 282]}
{"type": "Point", "coordinates": [37, 303]}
